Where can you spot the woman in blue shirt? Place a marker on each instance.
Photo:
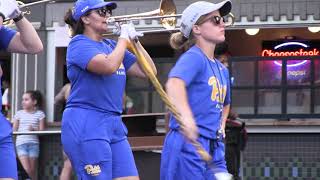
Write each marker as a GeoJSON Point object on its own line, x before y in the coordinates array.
{"type": "Point", "coordinates": [198, 86]}
{"type": "Point", "coordinates": [26, 40]}
{"type": "Point", "coordinates": [93, 135]}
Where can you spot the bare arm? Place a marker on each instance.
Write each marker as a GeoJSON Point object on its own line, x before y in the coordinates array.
{"type": "Point", "coordinates": [108, 64]}
{"type": "Point", "coordinates": [225, 113]}
{"type": "Point", "coordinates": [26, 40]}
{"type": "Point", "coordinates": [60, 97]}
{"type": "Point", "coordinates": [224, 117]}
{"type": "Point", "coordinates": [16, 125]}
{"type": "Point", "coordinates": [136, 70]}
{"type": "Point", "coordinates": [42, 124]}
{"type": "Point", "coordinates": [178, 95]}
{"type": "Point", "coordinates": [1, 21]}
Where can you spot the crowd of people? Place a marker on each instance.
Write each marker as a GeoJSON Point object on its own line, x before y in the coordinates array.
{"type": "Point", "coordinates": [93, 137]}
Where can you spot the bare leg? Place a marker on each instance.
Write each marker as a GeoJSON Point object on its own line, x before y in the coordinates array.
{"type": "Point", "coordinates": [33, 168]}
{"type": "Point", "coordinates": [128, 178]}
{"type": "Point", "coordinates": [67, 170]}
{"type": "Point", "coordinates": [25, 164]}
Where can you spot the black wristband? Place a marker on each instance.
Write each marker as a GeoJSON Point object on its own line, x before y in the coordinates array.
{"type": "Point", "coordinates": [18, 18]}
{"type": "Point", "coordinates": [2, 15]}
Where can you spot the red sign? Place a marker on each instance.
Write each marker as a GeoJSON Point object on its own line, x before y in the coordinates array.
{"type": "Point", "coordinates": [300, 52]}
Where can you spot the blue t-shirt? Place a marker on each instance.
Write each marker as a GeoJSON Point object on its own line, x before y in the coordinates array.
{"type": "Point", "coordinates": [208, 89]}
{"type": "Point", "coordinates": [6, 34]}
{"type": "Point", "coordinates": [90, 90]}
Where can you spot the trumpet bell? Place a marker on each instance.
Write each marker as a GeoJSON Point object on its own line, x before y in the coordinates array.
{"type": "Point", "coordinates": [167, 8]}
{"type": "Point", "coordinates": [229, 20]}
{"type": "Point", "coordinates": [166, 13]}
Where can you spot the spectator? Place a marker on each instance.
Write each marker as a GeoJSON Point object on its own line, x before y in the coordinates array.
{"type": "Point", "coordinates": [23, 40]}
{"type": "Point", "coordinates": [30, 118]}
{"type": "Point", "coordinates": [61, 98]}
{"type": "Point", "coordinates": [222, 54]}
{"type": "Point", "coordinates": [6, 98]}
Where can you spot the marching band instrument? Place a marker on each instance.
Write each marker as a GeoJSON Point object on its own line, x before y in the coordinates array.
{"type": "Point", "coordinates": [8, 22]}
{"type": "Point", "coordinates": [166, 13]}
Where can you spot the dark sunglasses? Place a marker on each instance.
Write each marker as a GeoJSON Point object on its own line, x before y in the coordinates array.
{"type": "Point", "coordinates": [214, 19]}
{"type": "Point", "coordinates": [103, 12]}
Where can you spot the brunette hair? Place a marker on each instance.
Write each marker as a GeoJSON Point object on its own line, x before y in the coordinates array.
{"type": "Point", "coordinates": [179, 41]}
{"type": "Point", "coordinates": [76, 27]}
{"type": "Point", "coordinates": [36, 96]}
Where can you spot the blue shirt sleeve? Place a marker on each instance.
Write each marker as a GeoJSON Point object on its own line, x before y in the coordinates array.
{"type": "Point", "coordinates": [6, 34]}
{"type": "Point", "coordinates": [81, 50]}
{"type": "Point", "coordinates": [129, 58]}
{"type": "Point", "coordinates": [227, 99]}
{"type": "Point", "coordinates": [187, 67]}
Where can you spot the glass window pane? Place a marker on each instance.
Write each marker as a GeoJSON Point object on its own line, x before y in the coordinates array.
{"type": "Point", "coordinates": [157, 104]}
{"type": "Point", "coordinates": [134, 83]}
{"type": "Point", "coordinates": [269, 101]}
{"type": "Point", "coordinates": [298, 72]}
{"type": "Point", "coordinates": [243, 73]}
{"type": "Point", "coordinates": [243, 101]}
{"type": "Point", "coordinates": [317, 101]}
{"type": "Point", "coordinates": [317, 72]}
{"type": "Point", "coordinates": [138, 102]}
{"type": "Point", "coordinates": [298, 101]}
{"type": "Point", "coordinates": [270, 73]}
{"type": "Point", "coordinates": [163, 70]}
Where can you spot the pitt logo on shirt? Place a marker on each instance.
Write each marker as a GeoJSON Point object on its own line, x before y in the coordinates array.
{"type": "Point", "coordinates": [93, 170]}
{"type": "Point", "coordinates": [121, 70]}
{"type": "Point", "coordinates": [218, 90]}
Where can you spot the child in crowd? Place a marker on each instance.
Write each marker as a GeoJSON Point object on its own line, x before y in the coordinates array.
{"type": "Point", "coordinates": [30, 118]}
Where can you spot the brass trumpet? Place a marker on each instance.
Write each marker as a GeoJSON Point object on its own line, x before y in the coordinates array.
{"type": "Point", "coordinates": [9, 22]}
{"type": "Point", "coordinates": [167, 15]}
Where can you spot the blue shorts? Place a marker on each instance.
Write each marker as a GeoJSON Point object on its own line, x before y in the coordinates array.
{"type": "Point", "coordinates": [7, 153]}
{"type": "Point", "coordinates": [28, 149]}
{"type": "Point", "coordinates": [179, 159]}
{"type": "Point", "coordinates": [97, 145]}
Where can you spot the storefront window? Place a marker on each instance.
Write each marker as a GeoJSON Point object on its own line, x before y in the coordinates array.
{"type": "Point", "coordinates": [272, 94]}
{"type": "Point", "coordinates": [141, 92]}
{"type": "Point", "coordinates": [317, 72]}
{"type": "Point", "coordinates": [298, 101]}
{"type": "Point", "coordinates": [270, 73]}
{"type": "Point", "coordinates": [298, 72]}
{"type": "Point", "coordinates": [269, 101]}
{"type": "Point", "coordinates": [243, 101]}
{"type": "Point", "coordinates": [137, 102]}
{"type": "Point", "coordinates": [317, 101]}
{"type": "Point", "coordinates": [243, 73]}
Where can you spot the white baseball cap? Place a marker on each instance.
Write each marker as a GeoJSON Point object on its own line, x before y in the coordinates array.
{"type": "Point", "coordinates": [195, 10]}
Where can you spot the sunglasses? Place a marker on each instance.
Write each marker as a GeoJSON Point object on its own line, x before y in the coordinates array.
{"type": "Point", "coordinates": [103, 12]}
{"type": "Point", "coordinates": [214, 20]}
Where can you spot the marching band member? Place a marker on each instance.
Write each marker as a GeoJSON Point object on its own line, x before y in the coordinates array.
{"type": "Point", "coordinates": [93, 134]}
{"type": "Point", "coordinates": [199, 87]}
